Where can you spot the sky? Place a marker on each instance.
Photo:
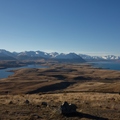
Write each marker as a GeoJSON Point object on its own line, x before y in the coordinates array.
{"type": "Point", "coordinates": [82, 26]}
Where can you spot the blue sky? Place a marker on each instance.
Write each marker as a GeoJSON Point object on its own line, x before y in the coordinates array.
{"type": "Point", "coordinates": [82, 26]}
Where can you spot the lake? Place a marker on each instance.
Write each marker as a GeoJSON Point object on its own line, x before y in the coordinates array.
{"type": "Point", "coordinates": [106, 65]}
{"type": "Point", "coordinates": [4, 73]}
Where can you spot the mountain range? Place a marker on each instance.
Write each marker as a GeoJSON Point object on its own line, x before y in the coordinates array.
{"type": "Point", "coordinates": [100, 58]}
{"type": "Point", "coordinates": [36, 55]}
{"type": "Point", "coordinates": [33, 55]}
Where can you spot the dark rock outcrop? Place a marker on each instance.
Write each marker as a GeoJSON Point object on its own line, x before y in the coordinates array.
{"type": "Point", "coordinates": [27, 102]}
{"type": "Point", "coordinates": [44, 104]}
{"type": "Point", "coordinates": [68, 108]}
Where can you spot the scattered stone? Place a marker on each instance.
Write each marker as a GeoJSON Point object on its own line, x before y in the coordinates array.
{"type": "Point", "coordinates": [27, 102]}
{"type": "Point", "coordinates": [44, 104]}
{"type": "Point", "coordinates": [100, 106]}
{"type": "Point", "coordinates": [68, 108]}
{"type": "Point", "coordinates": [53, 106]}
{"type": "Point", "coordinates": [86, 103]}
{"type": "Point", "coordinates": [38, 106]}
{"type": "Point", "coordinates": [113, 99]}
{"type": "Point", "coordinates": [7, 92]}
{"type": "Point", "coordinates": [6, 112]}
{"type": "Point", "coordinates": [35, 117]}
{"type": "Point", "coordinates": [10, 102]}
{"type": "Point", "coordinates": [115, 109]}
{"type": "Point", "coordinates": [108, 107]}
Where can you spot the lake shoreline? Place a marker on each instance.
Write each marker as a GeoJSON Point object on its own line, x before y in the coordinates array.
{"type": "Point", "coordinates": [106, 65]}
{"type": "Point", "coordinates": [44, 80]}
{"type": "Point", "coordinates": [93, 65]}
{"type": "Point", "coordinates": [6, 72]}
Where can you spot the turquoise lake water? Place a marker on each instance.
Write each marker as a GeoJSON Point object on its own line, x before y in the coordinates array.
{"type": "Point", "coordinates": [4, 73]}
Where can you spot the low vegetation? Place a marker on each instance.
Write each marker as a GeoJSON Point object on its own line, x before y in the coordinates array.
{"type": "Point", "coordinates": [95, 92]}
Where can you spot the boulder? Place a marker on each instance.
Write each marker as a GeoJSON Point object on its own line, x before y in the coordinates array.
{"type": "Point", "coordinates": [27, 102]}
{"type": "Point", "coordinates": [10, 102]}
{"type": "Point", "coordinates": [44, 104]}
{"type": "Point", "coordinates": [35, 117]}
{"type": "Point", "coordinates": [68, 108]}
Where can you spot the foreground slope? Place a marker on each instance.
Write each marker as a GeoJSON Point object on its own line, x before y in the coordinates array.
{"type": "Point", "coordinates": [91, 106]}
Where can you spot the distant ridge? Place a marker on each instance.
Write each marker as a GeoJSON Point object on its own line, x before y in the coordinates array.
{"type": "Point", "coordinates": [36, 55]}
{"type": "Point", "coordinates": [100, 58]}
{"type": "Point", "coordinates": [6, 55]}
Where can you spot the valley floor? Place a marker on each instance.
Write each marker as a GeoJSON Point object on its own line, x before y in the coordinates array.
{"type": "Point", "coordinates": [96, 93]}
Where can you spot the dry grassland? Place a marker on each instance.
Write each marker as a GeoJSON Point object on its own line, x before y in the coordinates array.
{"type": "Point", "coordinates": [91, 106]}
{"type": "Point", "coordinates": [96, 92]}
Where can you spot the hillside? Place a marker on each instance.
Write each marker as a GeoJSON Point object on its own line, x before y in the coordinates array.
{"type": "Point", "coordinates": [71, 77]}
{"type": "Point", "coordinates": [37, 94]}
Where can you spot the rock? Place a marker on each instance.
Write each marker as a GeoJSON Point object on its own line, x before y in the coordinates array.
{"type": "Point", "coordinates": [38, 106]}
{"type": "Point", "coordinates": [68, 108]}
{"type": "Point", "coordinates": [27, 102]}
{"type": "Point", "coordinates": [44, 104]}
{"type": "Point", "coordinates": [10, 102]}
{"type": "Point", "coordinates": [35, 117]}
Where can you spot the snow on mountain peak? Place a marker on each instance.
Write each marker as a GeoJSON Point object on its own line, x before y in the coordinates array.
{"type": "Point", "coordinates": [36, 52]}
{"type": "Point", "coordinates": [56, 55]}
{"type": "Point", "coordinates": [53, 54]}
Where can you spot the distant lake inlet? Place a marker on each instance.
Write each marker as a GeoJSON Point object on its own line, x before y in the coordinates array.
{"type": "Point", "coordinates": [106, 65]}
{"type": "Point", "coordinates": [4, 73]}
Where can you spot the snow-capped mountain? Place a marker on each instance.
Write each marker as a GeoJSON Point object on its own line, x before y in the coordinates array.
{"type": "Point", "coordinates": [107, 57]}
{"type": "Point", "coordinates": [70, 57]}
{"type": "Point", "coordinates": [53, 54]}
{"type": "Point", "coordinates": [34, 54]}
{"type": "Point", "coordinates": [111, 57]}
{"type": "Point", "coordinates": [67, 56]}
{"type": "Point", "coordinates": [6, 55]}
{"type": "Point", "coordinates": [88, 57]}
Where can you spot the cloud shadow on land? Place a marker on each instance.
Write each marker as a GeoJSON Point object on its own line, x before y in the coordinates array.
{"type": "Point", "coordinates": [54, 87]}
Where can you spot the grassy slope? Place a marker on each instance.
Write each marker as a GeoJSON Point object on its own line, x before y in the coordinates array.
{"type": "Point", "coordinates": [75, 78]}
{"type": "Point", "coordinates": [63, 82]}
{"type": "Point", "coordinates": [91, 106]}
